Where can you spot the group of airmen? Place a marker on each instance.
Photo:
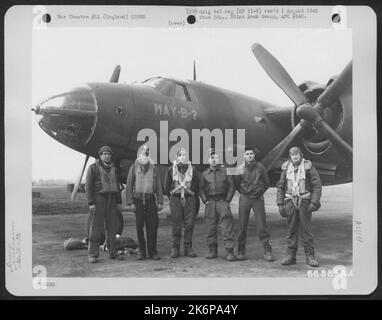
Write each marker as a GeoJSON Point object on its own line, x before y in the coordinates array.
{"type": "Point", "coordinates": [298, 195]}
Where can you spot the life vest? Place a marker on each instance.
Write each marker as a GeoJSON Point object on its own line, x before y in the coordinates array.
{"type": "Point", "coordinates": [109, 182]}
{"type": "Point", "coordinates": [144, 181]}
{"type": "Point", "coordinates": [296, 181]}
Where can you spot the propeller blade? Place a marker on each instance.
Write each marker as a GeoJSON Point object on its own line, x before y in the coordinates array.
{"type": "Point", "coordinates": [311, 115]}
{"type": "Point", "coordinates": [78, 182]}
{"type": "Point", "coordinates": [278, 74]}
{"type": "Point", "coordinates": [115, 76]}
{"type": "Point", "coordinates": [326, 130]}
{"type": "Point", "coordinates": [337, 87]}
{"type": "Point", "coordinates": [275, 154]}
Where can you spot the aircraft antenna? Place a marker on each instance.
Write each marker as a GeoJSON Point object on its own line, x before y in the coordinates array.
{"type": "Point", "coordinates": [194, 71]}
{"type": "Point", "coordinates": [115, 76]}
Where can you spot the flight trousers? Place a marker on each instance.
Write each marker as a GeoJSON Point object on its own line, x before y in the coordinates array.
{"type": "Point", "coordinates": [182, 212]}
{"type": "Point", "coordinates": [105, 218]}
{"type": "Point", "coordinates": [245, 206]}
{"type": "Point", "coordinates": [299, 225]}
{"type": "Point", "coordinates": [146, 214]}
{"type": "Point", "coordinates": [218, 214]}
{"type": "Point", "coordinates": [103, 238]}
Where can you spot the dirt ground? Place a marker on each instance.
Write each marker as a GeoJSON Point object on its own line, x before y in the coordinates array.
{"type": "Point", "coordinates": [332, 229]}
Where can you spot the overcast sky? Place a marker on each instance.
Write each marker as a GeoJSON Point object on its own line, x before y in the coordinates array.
{"type": "Point", "coordinates": [66, 57]}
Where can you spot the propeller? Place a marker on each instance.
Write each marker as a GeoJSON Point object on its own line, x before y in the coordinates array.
{"type": "Point", "coordinates": [115, 76]}
{"type": "Point", "coordinates": [309, 115]}
{"type": "Point", "coordinates": [79, 179]}
{"type": "Point", "coordinates": [337, 87]}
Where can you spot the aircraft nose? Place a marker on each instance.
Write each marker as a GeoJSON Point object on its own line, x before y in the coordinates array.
{"type": "Point", "coordinates": [69, 117]}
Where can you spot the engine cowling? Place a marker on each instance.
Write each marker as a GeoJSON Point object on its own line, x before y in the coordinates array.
{"type": "Point", "coordinates": [313, 141]}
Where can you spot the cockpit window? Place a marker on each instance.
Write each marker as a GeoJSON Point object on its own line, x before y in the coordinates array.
{"type": "Point", "coordinates": [168, 88]}
{"type": "Point", "coordinates": [164, 86]}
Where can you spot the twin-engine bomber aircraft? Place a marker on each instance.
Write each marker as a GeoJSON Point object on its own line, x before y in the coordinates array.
{"type": "Point", "coordinates": [320, 121]}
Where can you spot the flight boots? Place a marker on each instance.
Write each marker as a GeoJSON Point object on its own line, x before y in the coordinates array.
{"type": "Point", "coordinates": [310, 260]}
{"type": "Point", "coordinates": [141, 254]}
{"type": "Point", "coordinates": [230, 256]}
{"type": "Point", "coordinates": [268, 251]}
{"type": "Point", "coordinates": [188, 252]}
{"type": "Point", "coordinates": [213, 253]}
{"type": "Point", "coordinates": [113, 254]}
{"type": "Point", "coordinates": [241, 252]}
{"type": "Point", "coordinates": [175, 251]}
{"type": "Point", "coordinates": [93, 260]}
{"type": "Point", "coordinates": [290, 258]}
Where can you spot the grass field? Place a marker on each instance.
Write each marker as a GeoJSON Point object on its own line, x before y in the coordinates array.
{"type": "Point", "coordinates": [56, 219]}
{"type": "Point", "coordinates": [56, 200]}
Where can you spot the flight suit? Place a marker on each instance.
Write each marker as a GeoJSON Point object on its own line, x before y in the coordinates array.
{"type": "Point", "coordinates": [183, 208]}
{"type": "Point", "coordinates": [144, 190]}
{"type": "Point", "coordinates": [252, 181]}
{"type": "Point", "coordinates": [217, 190]}
{"type": "Point", "coordinates": [297, 207]}
{"type": "Point", "coordinates": [105, 216]}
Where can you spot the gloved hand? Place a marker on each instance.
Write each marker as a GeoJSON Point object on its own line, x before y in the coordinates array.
{"type": "Point", "coordinates": [92, 208]}
{"type": "Point", "coordinates": [312, 207]}
{"type": "Point", "coordinates": [160, 206]}
{"type": "Point", "coordinates": [282, 211]}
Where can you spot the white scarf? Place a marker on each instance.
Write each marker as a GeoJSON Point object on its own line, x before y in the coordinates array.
{"type": "Point", "coordinates": [296, 176]}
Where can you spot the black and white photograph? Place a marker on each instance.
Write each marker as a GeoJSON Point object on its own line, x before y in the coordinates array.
{"type": "Point", "coordinates": [194, 153]}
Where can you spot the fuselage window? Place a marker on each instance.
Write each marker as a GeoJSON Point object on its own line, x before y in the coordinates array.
{"type": "Point", "coordinates": [181, 93]}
